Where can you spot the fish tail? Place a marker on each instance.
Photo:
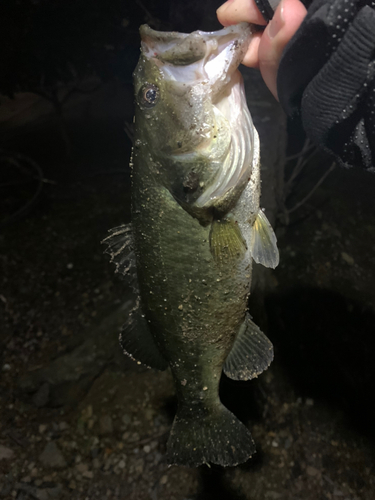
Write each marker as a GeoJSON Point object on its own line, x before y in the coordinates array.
{"type": "Point", "coordinates": [208, 436]}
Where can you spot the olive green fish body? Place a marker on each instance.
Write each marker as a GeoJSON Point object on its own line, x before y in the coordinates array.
{"type": "Point", "coordinates": [196, 228]}
{"type": "Point", "coordinates": [194, 306]}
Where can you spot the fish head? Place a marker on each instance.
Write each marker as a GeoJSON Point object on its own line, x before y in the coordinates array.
{"type": "Point", "coordinates": [189, 100]}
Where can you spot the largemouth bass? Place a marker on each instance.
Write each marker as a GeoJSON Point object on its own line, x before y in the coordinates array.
{"type": "Point", "coordinates": [196, 227]}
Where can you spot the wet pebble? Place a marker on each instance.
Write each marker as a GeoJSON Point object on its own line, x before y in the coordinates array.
{"type": "Point", "coordinates": [63, 426]}
{"type": "Point", "coordinates": [81, 468]}
{"type": "Point", "coordinates": [6, 453]}
{"type": "Point", "coordinates": [121, 464]}
{"type": "Point", "coordinates": [52, 456]}
{"type": "Point", "coordinates": [41, 397]}
{"type": "Point", "coordinates": [96, 463]}
{"type": "Point", "coordinates": [126, 419]}
{"type": "Point", "coordinates": [312, 471]}
{"type": "Point", "coordinates": [106, 425]}
{"type": "Point", "coordinates": [347, 258]}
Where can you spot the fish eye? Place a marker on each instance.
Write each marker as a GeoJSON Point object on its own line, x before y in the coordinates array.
{"type": "Point", "coordinates": [149, 95]}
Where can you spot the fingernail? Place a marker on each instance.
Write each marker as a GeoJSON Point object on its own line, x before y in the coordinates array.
{"type": "Point", "coordinates": [277, 21]}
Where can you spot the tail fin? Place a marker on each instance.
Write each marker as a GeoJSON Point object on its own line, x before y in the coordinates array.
{"type": "Point", "coordinates": [203, 437]}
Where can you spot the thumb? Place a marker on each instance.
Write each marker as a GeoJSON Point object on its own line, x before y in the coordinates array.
{"type": "Point", "coordinates": [287, 19]}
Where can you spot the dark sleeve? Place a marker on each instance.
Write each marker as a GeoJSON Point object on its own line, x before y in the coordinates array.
{"type": "Point", "coordinates": [326, 79]}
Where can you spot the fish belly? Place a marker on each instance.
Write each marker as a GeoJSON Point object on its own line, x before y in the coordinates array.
{"type": "Point", "coordinates": [193, 305]}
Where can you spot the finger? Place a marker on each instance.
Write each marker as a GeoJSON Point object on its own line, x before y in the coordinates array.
{"type": "Point", "coordinates": [238, 11]}
{"type": "Point", "coordinates": [287, 19]}
{"type": "Point", "coordinates": [251, 58]}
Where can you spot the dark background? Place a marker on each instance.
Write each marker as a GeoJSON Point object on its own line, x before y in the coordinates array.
{"type": "Point", "coordinates": [79, 420]}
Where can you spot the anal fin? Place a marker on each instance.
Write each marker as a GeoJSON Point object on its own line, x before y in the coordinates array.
{"type": "Point", "coordinates": [263, 243]}
{"type": "Point", "coordinates": [138, 342]}
{"type": "Point", "coordinates": [251, 354]}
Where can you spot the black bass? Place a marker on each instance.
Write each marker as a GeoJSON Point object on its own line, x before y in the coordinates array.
{"type": "Point", "coordinates": [196, 227]}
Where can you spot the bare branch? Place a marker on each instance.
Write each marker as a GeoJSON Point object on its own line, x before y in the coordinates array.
{"type": "Point", "coordinates": [320, 181]}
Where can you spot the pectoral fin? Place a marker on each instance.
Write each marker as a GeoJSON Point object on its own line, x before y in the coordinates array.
{"type": "Point", "coordinates": [263, 242]}
{"type": "Point", "coordinates": [226, 240]}
{"type": "Point", "coordinates": [251, 354]}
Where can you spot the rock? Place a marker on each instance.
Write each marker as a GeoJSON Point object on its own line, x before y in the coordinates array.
{"type": "Point", "coordinates": [273, 494]}
{"type": "Point", "coordinates": [88, 474]}
{"type": "Point", "coordinates": [70, 375]}
{"type": "Point", "coordinates": [52, 456]}
{"type": "Point", "coordinates": [96, 463]}
{"type": "Point", "coordinates": [288, 443]}
{"type": "Point", "coordinates": [126, 419]}
{"type": "Point", "coordinates": [312, 471]}
{"type": "Point", "coordinates": [6, 453]}
{"type": "Point", "coordinates": [106, 425]}
{"type": "Point", "coordinates": [72, 485]}
{"type": "Point", "coordinates": [41, 396]}
{"type": "Point", "coordinates": [82, 468]}
{"type": "Point", "coordinates": [164, 480]}
{"type": "Point", "coordinates": [347, 258]}
{"type": "Point", "coordinates": [40, 493]}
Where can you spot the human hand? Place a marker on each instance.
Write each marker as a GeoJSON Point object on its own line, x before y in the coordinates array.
{"type": "Point", "coordinates": [266, 47]}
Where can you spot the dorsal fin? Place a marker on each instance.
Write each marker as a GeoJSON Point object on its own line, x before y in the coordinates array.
{"type": "Point", "coordinates": [121, 250]}
{"type": "Point", "coordinates": [135, 338]}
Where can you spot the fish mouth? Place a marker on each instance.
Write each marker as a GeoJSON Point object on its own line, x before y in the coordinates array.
{"type": "Point", "coordinates": [200, 55]}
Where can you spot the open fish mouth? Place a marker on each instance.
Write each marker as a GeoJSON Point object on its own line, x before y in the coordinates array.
{"type": "Point", "coordinates": [208, 61]}
{"type": "Point", "coordinates": [191, 57]}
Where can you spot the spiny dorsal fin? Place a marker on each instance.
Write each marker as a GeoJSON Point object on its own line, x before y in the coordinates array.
{"type": "Point", "coordinates": [251, 354]}
{"type": "Point", "coordinates": [121, 250]}
{"type": "Point", "coordinates": [120, 247]}
{"type": "Point", "coordinates": [264, 243]}
{"type": "Point", "coordinates": [226, 240]}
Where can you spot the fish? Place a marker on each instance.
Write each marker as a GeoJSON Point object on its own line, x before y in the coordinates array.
{"type": "Point", "coordinates": [196, 227]}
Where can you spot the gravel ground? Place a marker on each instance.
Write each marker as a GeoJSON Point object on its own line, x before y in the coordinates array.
{"type": "Point", "coordinates": [80, 421]}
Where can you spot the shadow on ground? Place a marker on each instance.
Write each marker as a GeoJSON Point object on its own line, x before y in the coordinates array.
{"type": "Point", "coordinates": [326, 344]}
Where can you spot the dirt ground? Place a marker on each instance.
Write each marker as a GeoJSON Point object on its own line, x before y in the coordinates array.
{"type": "Point", "coordinates": [80, 421]}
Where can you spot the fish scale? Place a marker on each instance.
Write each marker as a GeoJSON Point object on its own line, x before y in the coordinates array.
{"type": "Point", "coordinates": [196, 228]}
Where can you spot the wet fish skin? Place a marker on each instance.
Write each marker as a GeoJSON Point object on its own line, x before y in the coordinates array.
{"type": "Point", "coordinates": [193, 234]}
